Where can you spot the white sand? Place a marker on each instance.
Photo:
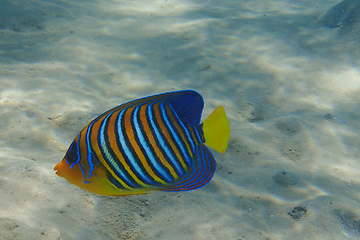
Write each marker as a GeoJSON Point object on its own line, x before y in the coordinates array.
{"type": "Point", "coordinates": [290, 88]}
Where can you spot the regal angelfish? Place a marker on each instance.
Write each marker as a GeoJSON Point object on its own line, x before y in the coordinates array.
{"type": "Point", "coordinates": [152, 143]}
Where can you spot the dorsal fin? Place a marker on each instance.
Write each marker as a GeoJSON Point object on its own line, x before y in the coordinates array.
{"type": "Point", "coordinates": [189, 104]}
{"type": "Point", "coordinates": [200, 173]}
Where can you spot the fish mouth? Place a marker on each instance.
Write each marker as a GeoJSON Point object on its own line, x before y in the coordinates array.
{"type": "Point", "coordinates": [58, 167]}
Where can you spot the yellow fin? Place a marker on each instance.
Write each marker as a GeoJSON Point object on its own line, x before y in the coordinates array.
{"type": "Point", "coordinates": [216, 130]}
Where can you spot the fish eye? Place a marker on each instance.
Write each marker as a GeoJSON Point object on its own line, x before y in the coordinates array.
{"type": "Point", "coordinates": [72, 155]}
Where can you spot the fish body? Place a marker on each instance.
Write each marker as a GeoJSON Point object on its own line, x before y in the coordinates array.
{"type": "Point", "coordinates": [152, 143]}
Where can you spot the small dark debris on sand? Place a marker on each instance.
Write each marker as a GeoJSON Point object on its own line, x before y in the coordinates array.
{"type": "Point", "coordinates": [297, 212]}
{"type": "Point", "coordinates": [348, 219]}
{"type": "Point", "coordinates": [285, 179]}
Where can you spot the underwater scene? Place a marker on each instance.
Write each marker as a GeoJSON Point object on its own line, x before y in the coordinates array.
{"type": "Point", "coordinates": [168, 119]}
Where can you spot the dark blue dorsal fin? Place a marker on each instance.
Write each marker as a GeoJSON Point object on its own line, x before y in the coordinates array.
{"type": "Point", "coordinates": [189, 104]}
{"type": "Point", "coordinates": [200, 173]}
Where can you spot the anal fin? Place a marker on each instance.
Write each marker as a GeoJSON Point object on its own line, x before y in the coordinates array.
{"type": "Point", "coordinates": [200, 173]}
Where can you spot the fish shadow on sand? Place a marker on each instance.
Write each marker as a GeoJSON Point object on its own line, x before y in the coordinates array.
{"type": "Point", "coordinates": [345, 16]}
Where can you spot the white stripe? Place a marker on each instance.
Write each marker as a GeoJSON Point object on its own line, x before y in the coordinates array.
{"type": "Point", "coordinates": [88, 146]}
{"type": "Point", "coordinates": [106, 151]}
{"type": "Point", "coordinates": [127, 151]}
{"type": "Point", "coordinates": [188, 135]}
{"type": "Point", "coordinates": [147, 149]}
{"type": "Point", "coordinates": [174, 134]}
{"type": "Point", "coordinates": [161, 141]}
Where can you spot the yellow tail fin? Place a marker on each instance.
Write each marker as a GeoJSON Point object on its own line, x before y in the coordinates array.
{"type": "Point", "coordinates": [216, 130]}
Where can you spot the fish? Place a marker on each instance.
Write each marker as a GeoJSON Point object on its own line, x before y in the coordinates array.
{"type": "Point", "coordinates": [154, 143]}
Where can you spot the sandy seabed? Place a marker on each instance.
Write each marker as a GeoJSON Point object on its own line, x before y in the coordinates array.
{"type": "Point", "coordinates": [290, 87]}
